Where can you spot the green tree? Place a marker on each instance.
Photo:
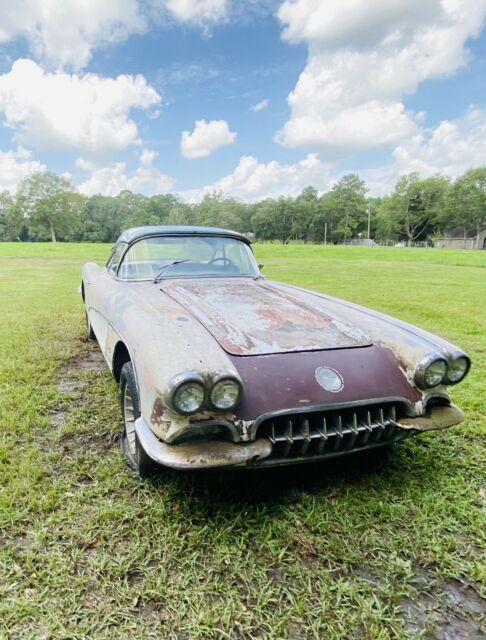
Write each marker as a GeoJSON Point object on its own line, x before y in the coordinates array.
{"type": "Point", "coordinates": [216, 210]}
{"type": "Point", "coordinates": [416, 205]}
{"type": "Point", "coordinates": [349, 204]}
{"type": "Point", "coordinates": [305, 209]}
{"type": "Point", "coordinates": [49, 203]}
{"type": "Point", "coordinates": [263, 221]}
{"type": "Point", "coordinates": [467, 202]}
{"type": "Point", "coordinates": [387, 225]}
{"type": "Point", "coordinates": [10, 220]}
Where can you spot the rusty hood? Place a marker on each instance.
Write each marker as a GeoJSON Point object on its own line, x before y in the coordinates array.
{"type": "Point", "coordinates": [255, 317]}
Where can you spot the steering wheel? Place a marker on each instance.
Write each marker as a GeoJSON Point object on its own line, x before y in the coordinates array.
{"type": "Point", "coordinates": [224, 260]}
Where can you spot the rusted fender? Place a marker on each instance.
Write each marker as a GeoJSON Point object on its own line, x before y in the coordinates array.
{"type": "Point", "coordinates": [437, 418]}
{"type": "Point", "coordinates": [200, 455]}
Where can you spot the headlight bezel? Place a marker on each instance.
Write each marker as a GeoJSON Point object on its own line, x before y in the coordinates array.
{"type": "Point", "coordinates": [455, 358]}
{"type": "Point", "coordinates": [424, 365]}
{"type": "Point", "coordinates": [175, 385]}
{"type": "Point", "coordinates": [221, 379]}
{"type": "Point", "coordinates": [194, 385]}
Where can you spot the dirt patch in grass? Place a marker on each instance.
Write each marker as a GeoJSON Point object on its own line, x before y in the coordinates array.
{"type": "Point", "coordinates": [73, 381]}
{"type": "Point", "coordinates": [444, 610]}
{"type": "Point", "coordinates": [89, 361]}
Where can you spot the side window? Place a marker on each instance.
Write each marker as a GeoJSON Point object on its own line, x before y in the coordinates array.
{"type": "Point", "coordinates": [115, 258]}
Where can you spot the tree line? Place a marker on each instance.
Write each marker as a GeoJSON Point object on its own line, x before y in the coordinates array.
{"type": "Point", "coordinates": [48, 207]}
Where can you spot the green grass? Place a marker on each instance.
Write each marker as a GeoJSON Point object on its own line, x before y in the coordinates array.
{"type": "Point", "coordinates": [87, 550]}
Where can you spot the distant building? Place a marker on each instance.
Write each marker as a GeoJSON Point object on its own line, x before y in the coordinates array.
{"type": "Point", "coordinates": [477, 242]}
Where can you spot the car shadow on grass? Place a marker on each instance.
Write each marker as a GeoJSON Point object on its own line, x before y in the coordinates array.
{"type": "Point", "coordinates": [379, 467]}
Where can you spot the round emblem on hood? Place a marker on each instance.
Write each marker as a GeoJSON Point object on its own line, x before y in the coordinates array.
{"type": "Point", "coordinates": [329, 379]}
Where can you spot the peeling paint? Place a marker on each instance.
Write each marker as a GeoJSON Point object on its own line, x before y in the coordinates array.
{"type": "Point", "coordinates": [254, 318]}
{"type": "Point", "coordinates": [244, 427]}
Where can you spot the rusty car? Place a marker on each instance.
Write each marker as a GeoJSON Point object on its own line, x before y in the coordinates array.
{"type": "Point", "coordinates": [219, 366]}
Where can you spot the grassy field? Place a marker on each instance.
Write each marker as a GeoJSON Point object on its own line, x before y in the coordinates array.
{"type": "Point", "coordinates": [331, 551]}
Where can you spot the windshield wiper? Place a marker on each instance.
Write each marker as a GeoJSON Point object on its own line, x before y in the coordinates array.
{"type": "Point", "coordinates": [166, 266]}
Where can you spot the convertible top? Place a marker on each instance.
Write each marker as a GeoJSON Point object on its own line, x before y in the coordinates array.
{"type": "Point", "coordinates": [131, 235]}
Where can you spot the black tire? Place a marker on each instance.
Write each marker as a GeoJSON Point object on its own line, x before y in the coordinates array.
{"type": "Point", "coordinates": [89, 330]}
{"type": "Point", "coordinates": [134, 453]}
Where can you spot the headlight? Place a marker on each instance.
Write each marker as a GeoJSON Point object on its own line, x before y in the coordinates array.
{"type": "Point", "coordinates": [435, 372]}
{"type": "Point", "coordinates": [225, 394]}
{"type": "Point", "coordinates": [431, 371]}
{"type": "Point", "coordinates": [458, 369]}
{"type": "Point", "coordinates": [188, 398]}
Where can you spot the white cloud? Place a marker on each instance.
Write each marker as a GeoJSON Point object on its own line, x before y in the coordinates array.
{"type": "Point", "coordinates": [65, 32]}
{"type": "Point", "coordinates": [109, 181]}
{"type": "Point", "coordinates": [252, 180]}
{"type": "Point", "coordinates": [451, 148]}
{"type": "Point", "coordinates": [206, 138]}
{"type": "Point", "coordinates": [363, 58]}
{"type": "Point", "coordinates": [16, 165]}
{"type": "Point", "coordinates": [260, 106]}
{"type": "Point", "coordinates": [61, 111]}
{"type": "Point", "coordinates": [198, 11]}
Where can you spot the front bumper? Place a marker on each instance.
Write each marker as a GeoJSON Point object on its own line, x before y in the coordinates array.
{"type": "Point", "coordinates": [200, 455]}
{"type": "Point", "coordinates": [212, 453]}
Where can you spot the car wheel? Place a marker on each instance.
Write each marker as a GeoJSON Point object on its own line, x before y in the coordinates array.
{"type": "Point", "coordinates": [133, 451]}
{"type": "Point", "coordinates": [89, 329]}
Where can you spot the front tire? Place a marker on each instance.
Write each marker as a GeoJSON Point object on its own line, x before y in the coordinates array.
{"type": "Point", "coordinates": [89, 329]}
{"type": "Point", "coordinates": [134, 453]}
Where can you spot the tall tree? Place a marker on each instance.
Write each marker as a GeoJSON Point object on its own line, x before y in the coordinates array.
{"type": "Point", "coordinates": [10, 222]}
{"type": "Point", "coordinates": [305, 209]}
{"type": "Point", "coordinates": [416, 204]}
{"type": "Point", "coordinates": [349, 203]}
{"type": "Point", "coordinates": [467, 202]}
{"type": "Point", "coordinates": [48, 202]}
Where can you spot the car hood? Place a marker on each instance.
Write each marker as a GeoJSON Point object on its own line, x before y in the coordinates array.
{"type": "Point", "coordinates": [255, 317]}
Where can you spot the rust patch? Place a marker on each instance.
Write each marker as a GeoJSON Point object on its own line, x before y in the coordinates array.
{"type": "Point", "coordinates": [436, 418]}
{"type": "Point", "coordinates": [157, 412]}
{"type": "Point", "coordinates": [253, 318]}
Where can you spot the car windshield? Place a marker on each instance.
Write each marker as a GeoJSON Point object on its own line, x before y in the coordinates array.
{"type": "Point", "coordinates": [175, 256]}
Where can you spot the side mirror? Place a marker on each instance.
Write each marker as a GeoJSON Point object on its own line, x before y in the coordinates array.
{"type": "Point", "coordinates": [260, 266]}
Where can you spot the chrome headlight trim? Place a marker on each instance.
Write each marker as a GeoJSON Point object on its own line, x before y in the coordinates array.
{"type": "Point", "coordinates": [423, 365]}
{"type": "Point", "coordinates": [223, 376]}
{"type": "Point", "coordinates": [452, 360]}
{"type": "Point", "coordinates": [178, 381]}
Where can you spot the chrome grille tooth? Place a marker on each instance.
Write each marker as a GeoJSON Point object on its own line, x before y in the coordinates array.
{"type": "Point", "coordinates": [272, 437]}
{"type": "Point", "coordinates": [338, 433]}
{"type": "Point", "coordinates": [305, 433]}
{"type": "Point", "coordinates": [393, 421]}
{"type": "Point", "coordinates": [289, 437]}
{"type": "Point", "coordinates": [367, 429]}
{"type": "Point", "coordinates": [322, 430]}
{"type": "Point", "coordinates": [353, 426]}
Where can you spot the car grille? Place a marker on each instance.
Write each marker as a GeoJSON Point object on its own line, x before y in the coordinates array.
{"type": "Point", "coordinates": [332, 432]}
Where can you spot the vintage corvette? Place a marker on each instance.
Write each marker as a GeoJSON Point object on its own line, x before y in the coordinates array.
{"type": "Point", "coordinates": [220, 367]}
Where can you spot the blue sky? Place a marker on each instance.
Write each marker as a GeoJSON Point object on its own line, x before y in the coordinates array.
{"type": "Point", "coordinates": [105, 95]}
